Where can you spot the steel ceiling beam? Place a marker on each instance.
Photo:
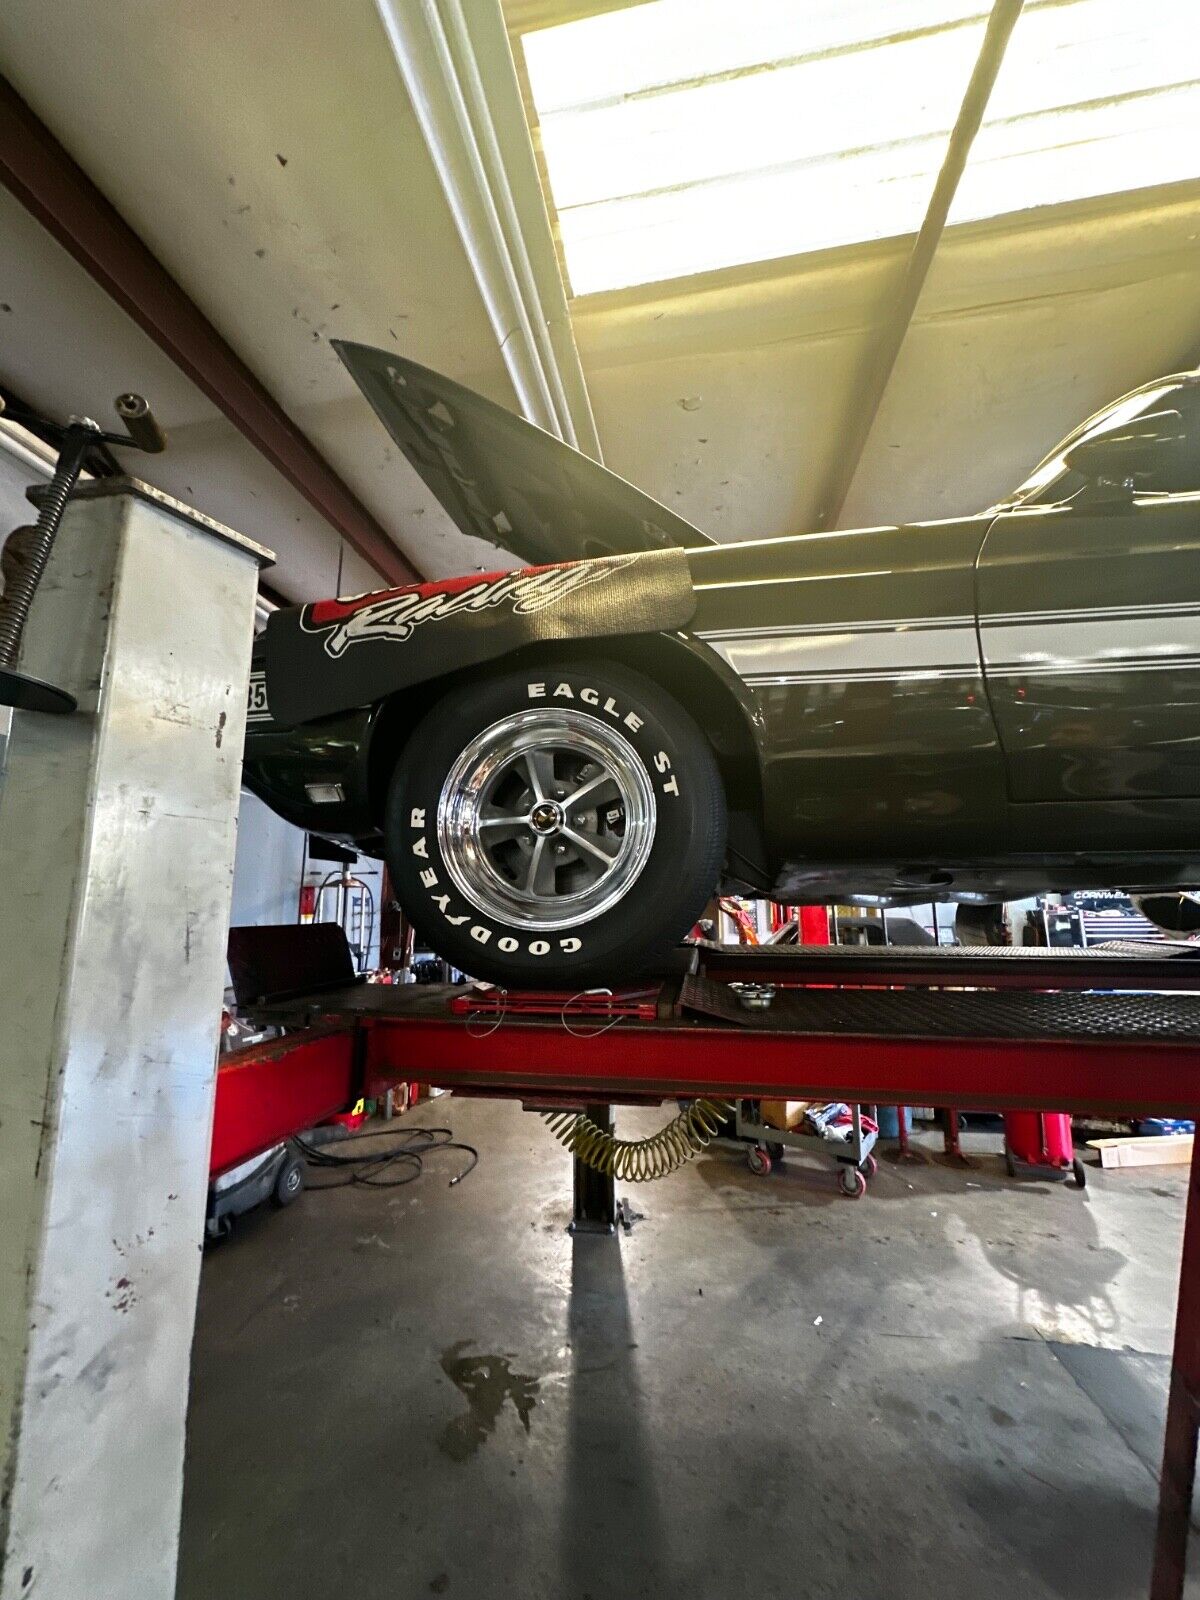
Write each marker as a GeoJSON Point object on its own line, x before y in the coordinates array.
{"type": "Point", "coordinates": [456, 63]}
{"type": "Point", "coordinates": [881, 360]}
{"type": "Point", "coordinates": [59, 194]}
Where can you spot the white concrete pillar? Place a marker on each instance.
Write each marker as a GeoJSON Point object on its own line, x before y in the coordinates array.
{"type": "Point", "coordinates": [117, 830]}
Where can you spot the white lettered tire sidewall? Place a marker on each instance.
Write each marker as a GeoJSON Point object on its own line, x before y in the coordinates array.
{"type": "Point", "coordinates": [660, 905]}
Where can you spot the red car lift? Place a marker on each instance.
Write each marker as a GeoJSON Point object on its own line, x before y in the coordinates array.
{"type": "Point", "coordinates": [989, 1029]}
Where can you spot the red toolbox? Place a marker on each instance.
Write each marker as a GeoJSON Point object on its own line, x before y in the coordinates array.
{"type": "Point", "coordinates": [1039, 1144]}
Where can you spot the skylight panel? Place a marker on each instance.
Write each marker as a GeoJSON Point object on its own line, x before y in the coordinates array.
{"type": "Point", "coordinates": [1096, 97]}
{"type": "Point", "coordinates": [683, 136]}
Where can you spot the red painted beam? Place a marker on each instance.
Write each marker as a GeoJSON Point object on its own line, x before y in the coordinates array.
{"type": "Point", "coordinates": [522, 1056]}
{"type": "Point", "coordinates": [270, 1091]}
{"type": "Point", "coordinates": [56, 190]}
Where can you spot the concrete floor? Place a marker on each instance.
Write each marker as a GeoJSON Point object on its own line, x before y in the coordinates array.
{"type": "Point", "coordinates": [955, 1385]}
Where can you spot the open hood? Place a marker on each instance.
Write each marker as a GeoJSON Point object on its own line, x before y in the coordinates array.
{"type": "Point", "coordinates": [503, 479]}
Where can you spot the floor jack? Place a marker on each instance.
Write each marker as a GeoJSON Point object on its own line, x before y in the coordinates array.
{"type": "Point", "coordinates": [276, 1175]}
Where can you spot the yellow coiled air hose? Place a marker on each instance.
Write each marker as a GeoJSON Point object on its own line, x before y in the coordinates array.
{"type": "Point", "coordinates": [640, 1160]}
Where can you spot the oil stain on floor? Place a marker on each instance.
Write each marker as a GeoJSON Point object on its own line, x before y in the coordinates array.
{"type": "Point", "coordinates": [485, 1383]}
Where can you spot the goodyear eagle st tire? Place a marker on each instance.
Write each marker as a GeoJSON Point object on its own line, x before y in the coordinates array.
{"type": "Point", "coordinates": [556, 826]}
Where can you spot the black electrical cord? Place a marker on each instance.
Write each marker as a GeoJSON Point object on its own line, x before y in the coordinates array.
{"type": "Point", "coordinates": [368, 1167]}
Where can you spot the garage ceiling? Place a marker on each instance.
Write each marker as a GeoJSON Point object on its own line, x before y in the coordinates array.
{"type": "Point", "coordinates": [278, 173]}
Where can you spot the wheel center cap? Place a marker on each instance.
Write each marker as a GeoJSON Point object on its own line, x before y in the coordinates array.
{"type": "Point", "coordinates": [546, 817]}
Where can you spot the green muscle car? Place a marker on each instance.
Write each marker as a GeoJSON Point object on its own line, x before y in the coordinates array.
{"type": "Point", "coordinates": [560, 763]}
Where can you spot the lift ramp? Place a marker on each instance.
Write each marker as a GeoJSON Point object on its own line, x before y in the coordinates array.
{"type": "Point", "coordinates": [1109, 1032]}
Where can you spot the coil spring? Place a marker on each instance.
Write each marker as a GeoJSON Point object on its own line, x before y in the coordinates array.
{"type": "Point", "coordinates": [19, 596]}
{"type": "Point", "coordinates": [640, 1160]}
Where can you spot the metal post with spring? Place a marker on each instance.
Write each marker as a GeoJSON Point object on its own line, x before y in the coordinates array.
{"type": "Point", "coordinates": [80, 435]}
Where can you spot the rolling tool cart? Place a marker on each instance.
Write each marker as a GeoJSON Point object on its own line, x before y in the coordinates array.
{"type": "Point", "coordinates": [767, 1145]}
{"type": "Point", "coordinates": [850, 1146]}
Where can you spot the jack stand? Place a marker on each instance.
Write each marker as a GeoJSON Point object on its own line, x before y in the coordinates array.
{"type": "Point", "coordinates": [596, 1207]}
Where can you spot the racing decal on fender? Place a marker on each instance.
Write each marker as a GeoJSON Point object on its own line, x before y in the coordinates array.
{"type": "Point", "coordinates": [394, 614]}
{"type": "Point", "coordinates": [348, 654]}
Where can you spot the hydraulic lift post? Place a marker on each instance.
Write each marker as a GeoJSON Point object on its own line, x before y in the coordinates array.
{"type": "Point", "coordinates": [117, 832]}
{"type": "Point", "coordinates": [595, 1207]}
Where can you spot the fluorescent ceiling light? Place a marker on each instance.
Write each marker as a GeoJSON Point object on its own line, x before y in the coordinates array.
{"type": "Point", "coordinates": [686, 135]}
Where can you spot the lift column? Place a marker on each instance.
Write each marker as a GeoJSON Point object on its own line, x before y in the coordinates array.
{"type": "Point", "coordinates": [596, 1208]}
{"type": "Point", "coordinates": [117, 828]}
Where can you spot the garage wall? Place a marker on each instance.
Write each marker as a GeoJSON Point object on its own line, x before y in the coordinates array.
{"type": "Point", "coordinates": [68, 348]}
{"type": "Point", "coordinates": [267, 873]}
{"type": "Point", "coordinates": [17, 472]}
{"type": "Point", "coordinates": [267, 867]}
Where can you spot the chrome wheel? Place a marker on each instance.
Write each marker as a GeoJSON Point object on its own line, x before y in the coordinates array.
{"type": "Point", "coordinates": [546, 819]}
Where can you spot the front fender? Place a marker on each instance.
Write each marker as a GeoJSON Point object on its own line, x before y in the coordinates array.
{"type": "Point", "coordinates": [734, 688]}
{"type": "Point", "coordinates": [732, 720]}
{"type": "Point", "coordinates": [332, 655]}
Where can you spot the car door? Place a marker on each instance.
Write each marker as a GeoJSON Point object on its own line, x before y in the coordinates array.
{"type": "Point", "coordinates": [861, 652]}
{"type": "Point", "coordinates": [1089, 612]}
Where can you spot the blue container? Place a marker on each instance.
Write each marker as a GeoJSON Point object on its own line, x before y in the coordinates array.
{"type": "Point", "coordinates": [889, 1121]}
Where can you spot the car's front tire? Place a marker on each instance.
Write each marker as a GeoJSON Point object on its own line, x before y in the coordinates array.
{"type": "Point", "coordinates": [558, 826]}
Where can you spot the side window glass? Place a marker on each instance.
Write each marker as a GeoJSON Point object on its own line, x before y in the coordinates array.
{"type": "Point", "coordinates": [1172, 469]}
{"type": "Point", "coordinates": [1176, 468]}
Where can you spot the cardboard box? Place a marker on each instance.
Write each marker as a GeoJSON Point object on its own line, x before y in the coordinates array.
{"type": "Point", "coordinates": [784, 1114]}
{"type": "Point", "coordinates": [1163, 1150]}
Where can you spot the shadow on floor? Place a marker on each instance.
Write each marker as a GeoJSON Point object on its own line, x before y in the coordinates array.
{"type": "Point", "coordinates": [610, 1504]}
